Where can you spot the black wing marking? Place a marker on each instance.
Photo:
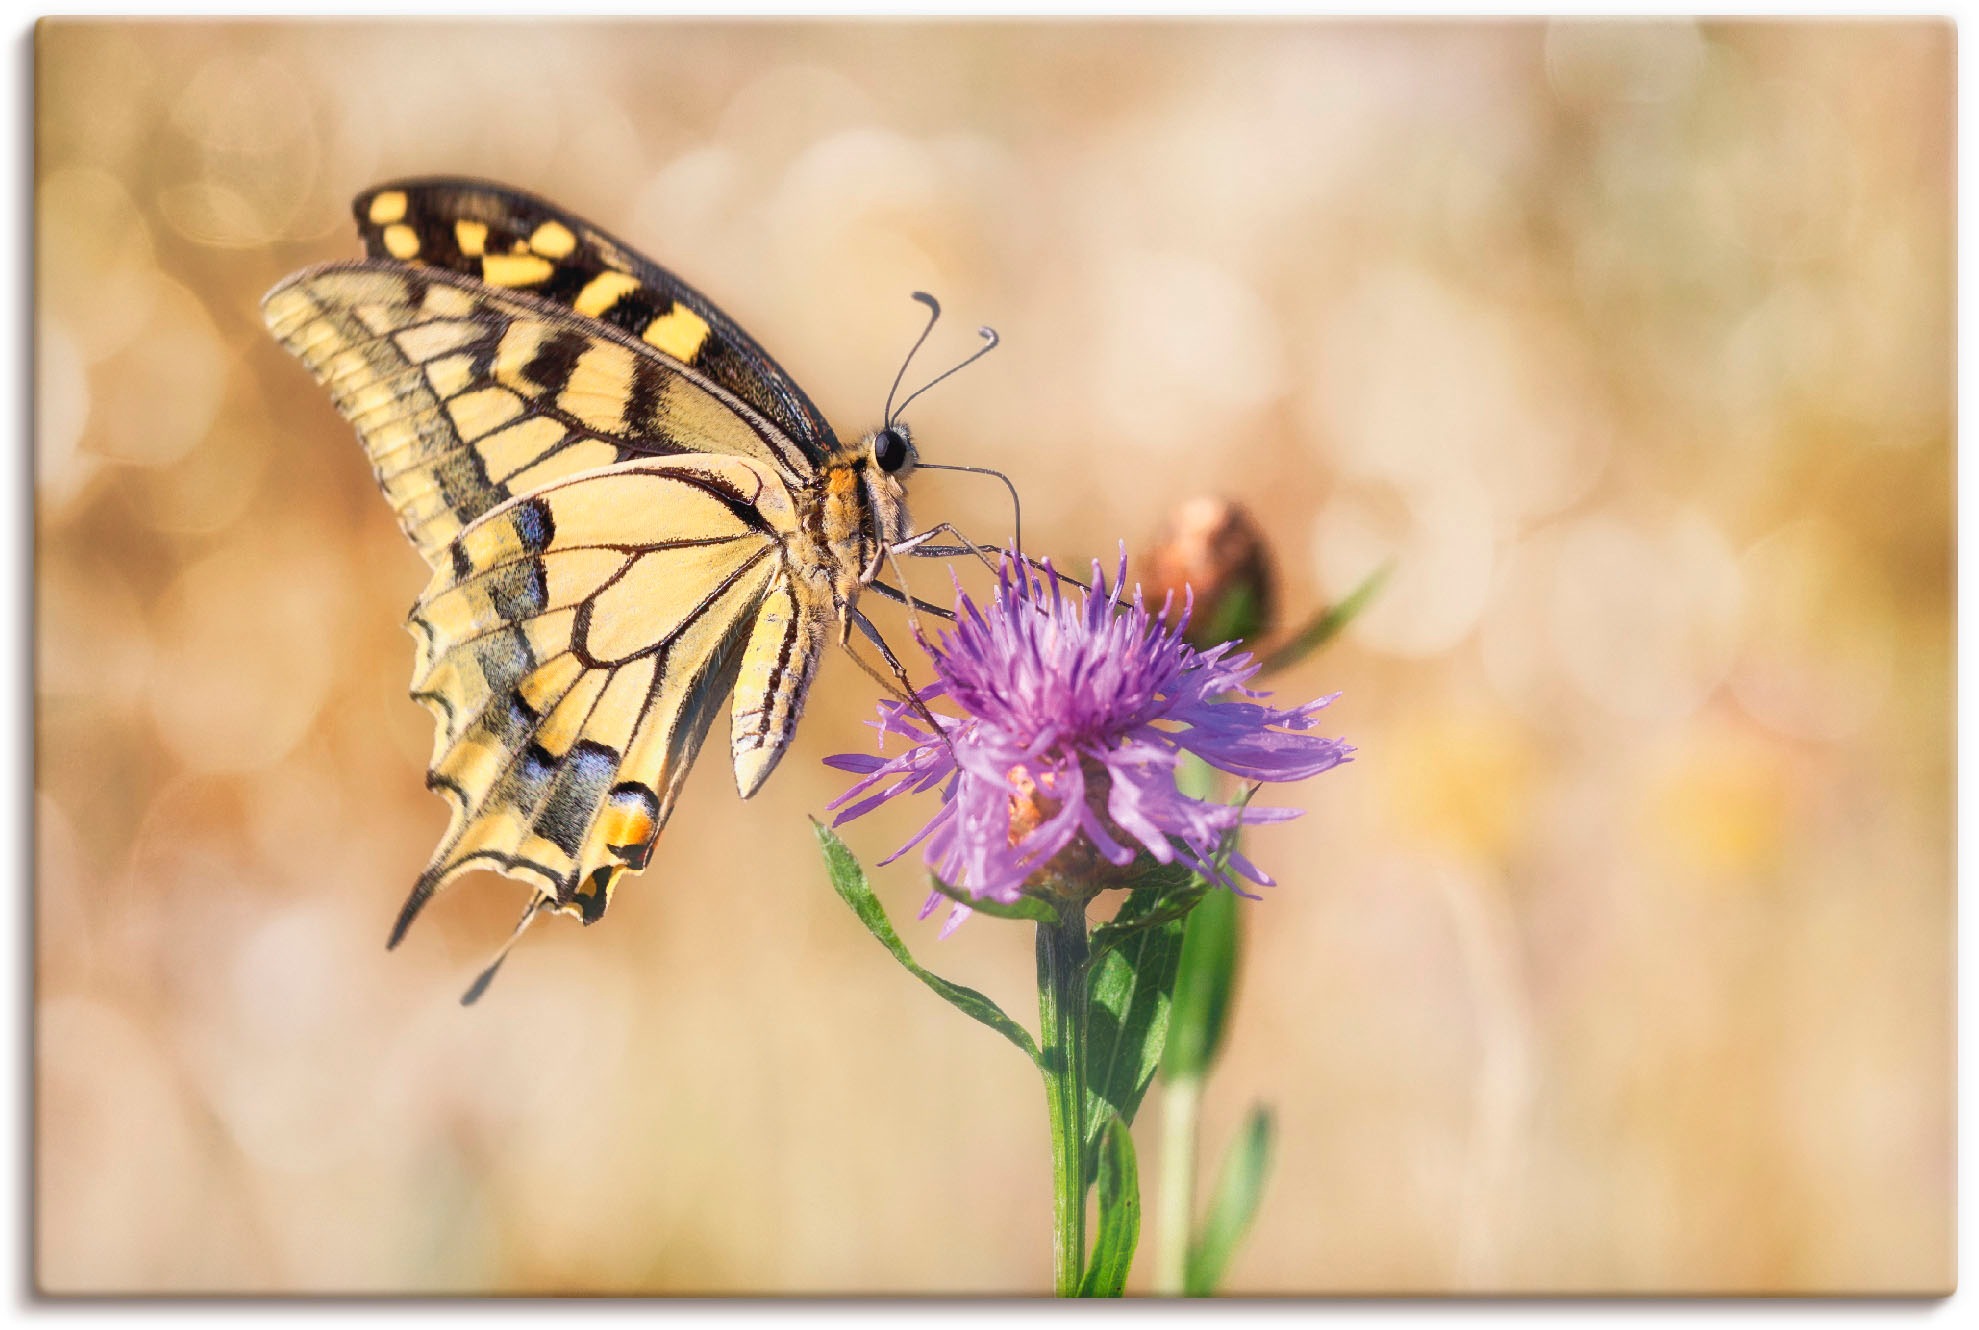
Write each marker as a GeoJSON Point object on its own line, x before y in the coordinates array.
{"type": "Point", "coordinates": [510, 238]}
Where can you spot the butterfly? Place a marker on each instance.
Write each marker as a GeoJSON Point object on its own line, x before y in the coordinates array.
{"type": "Point", "coordinates": [631, 513]}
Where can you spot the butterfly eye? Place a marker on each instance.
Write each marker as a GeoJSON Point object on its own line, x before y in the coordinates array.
{"type": "Point", "coordinates": [889, 450]}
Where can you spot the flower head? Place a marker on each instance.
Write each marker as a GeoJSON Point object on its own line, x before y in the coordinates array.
{"type": "Point", "coordinates": [1076, 711]}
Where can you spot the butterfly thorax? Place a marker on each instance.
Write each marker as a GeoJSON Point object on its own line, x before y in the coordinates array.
{"type": "Point", "coordinates": [849, 508]}
{"type": "Point", "coordinates": [858, 508]}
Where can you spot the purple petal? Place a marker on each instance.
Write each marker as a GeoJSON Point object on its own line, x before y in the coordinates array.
{"type": "Point", "coordinates": [861, 762]}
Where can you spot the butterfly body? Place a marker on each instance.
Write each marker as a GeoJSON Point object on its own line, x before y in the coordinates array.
{"type": "Point", "coordinates": [630, 512]}
{"type": "Point", "coordinates": [851, 511]}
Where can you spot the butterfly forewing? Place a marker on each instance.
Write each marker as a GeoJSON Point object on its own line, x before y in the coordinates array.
{"type": "Point", "coordinates": [508, 238]}
{"type": "Point", "coordinates": [466, 396]}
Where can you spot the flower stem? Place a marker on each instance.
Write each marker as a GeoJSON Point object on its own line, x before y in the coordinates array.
{"type": "Point", "coordinates": [1062, 951]}
{"type": "Point", "coordinates": [1181, 1102]}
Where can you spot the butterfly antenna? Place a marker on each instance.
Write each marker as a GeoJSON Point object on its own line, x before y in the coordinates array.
{"type": "Point", "coordinates": [1016, 503]}
{"type": "Point", "coordinates": [487, 976]}
{"type": "Point", "coordinates": [934, 314]}
{"type": "Point", "coordinates": [990, 340]}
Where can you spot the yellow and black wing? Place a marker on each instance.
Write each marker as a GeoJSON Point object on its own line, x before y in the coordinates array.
{"type": "Point", "coordinates": [507, 238]}
{"type": "Point", "coordinates": [466, 395]}
{"type": "Point", "coordinates": [606, 530]}
{"type": "Point", "coordinates": [573, 668]}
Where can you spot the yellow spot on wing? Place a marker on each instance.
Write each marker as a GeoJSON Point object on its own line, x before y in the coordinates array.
{"type": "Point", "coordinates": [471, 237]}
{"type": "Point", "coordinates": [472, 764]}
{"type": "Point", "coordinates": [679, 332]}
{"type": "Point", "coordinates": [602, 292]}
{"type": "Point", "coordinates": [615, 720]}
{"type": "Point", "coordinates": [552, 240]}
{"type": "Point", "coordinates": [388, 207]}
{"type": "Point", "coordinates": [550, 682]}
{"type": "Point", "coordinates": [377, 320]}
{"type": "Point", "coordinates": [599, 384]}
{"type": "Point", "coordinates": [401, 241]}
{"type": "Point", "coordinates": [562, 727]}
{"type": "Point", "coordinates": [515, 269]}
{"type": "Point", "coordinates": [450, 375]}
{"type": "Point", "coordinates": [476, 413]}
{"type": "Point", "coordinates": [497, 828]}
{"type": "Point", "coordinates": [429, 341]}
{"type": "Point", "coordinates": [446, 302]}
{"type": "Point", "coordinates": [518, 446]}
{"type": "Point", "coordinates": [549, 634]}
{"type": "Point", "coordinates": [519, 346]}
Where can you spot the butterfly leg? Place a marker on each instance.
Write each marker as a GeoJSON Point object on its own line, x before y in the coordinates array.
{"type": "Point", "coordinates": [884, 556]}
{"type": "Point", "coordinates": [897, 685]}
{"type": "Point", "coordinates": [902, 598]}
{"type": "Point", "coordinates": [917, 544]}
{"type": "Point", "coordinates": [904, 691]}
{"type": "Point", "coordinates": [956, 551]}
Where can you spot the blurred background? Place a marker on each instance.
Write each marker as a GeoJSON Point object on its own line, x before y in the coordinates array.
{"type": "Point", "coordinates": [1619, 960]}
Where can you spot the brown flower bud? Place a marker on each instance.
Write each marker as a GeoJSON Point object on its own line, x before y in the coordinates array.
{"type": "Point", "coordinates": [1212, 545]}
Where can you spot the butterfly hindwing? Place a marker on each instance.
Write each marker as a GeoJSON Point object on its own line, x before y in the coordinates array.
{"type": "Point", "coordinates": [782, 653]}
{"type": "Point", "coordinates": [573, 668]}
{"type": "Point", "coordinates": [508, 238]}
{"type": "Point", "coordinates": [466, 396]}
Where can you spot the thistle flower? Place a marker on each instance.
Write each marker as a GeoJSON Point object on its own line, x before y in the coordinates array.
{"type": "Point", "coordinates": [1076, 711]}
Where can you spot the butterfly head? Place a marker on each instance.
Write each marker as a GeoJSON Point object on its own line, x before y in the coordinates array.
{"type": "Point", "coordinates": [891, 450]}
{"type": "Point", "coordinates": [883, 460]}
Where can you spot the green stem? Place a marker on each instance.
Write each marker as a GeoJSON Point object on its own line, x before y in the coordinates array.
{"type": "Point", "coordinates": [1062, 1027]}
{"type": "Point", "coordinates": [1181, 1104]}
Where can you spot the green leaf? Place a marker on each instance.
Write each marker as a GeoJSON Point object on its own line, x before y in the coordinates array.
{"type": "Point", "coordinates": [1204, 980]}
{"type": "Point", "coordinates": [1238, 1190]}
{"type": "Point", "coordinates": [1034, 908]}
{"type": "Point", "coordinates": [849, 880]}
{"type": "Point", "coordinates": [1119, 1214]}
{"type": "Point", "coordinates": [1326, 625]}
{"type": "Point", "coordinates": [1127, 995]}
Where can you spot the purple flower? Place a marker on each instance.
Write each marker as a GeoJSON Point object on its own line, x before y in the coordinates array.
{"type": "Point", "coordinates": [1076, 712]}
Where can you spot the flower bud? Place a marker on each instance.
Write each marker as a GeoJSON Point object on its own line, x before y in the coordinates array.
{"type": "Point", "coordinates": [1212, 546]}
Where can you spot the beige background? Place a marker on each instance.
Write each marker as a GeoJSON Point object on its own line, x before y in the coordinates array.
{"type": "Point", "coordinates": [1620, 959]}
